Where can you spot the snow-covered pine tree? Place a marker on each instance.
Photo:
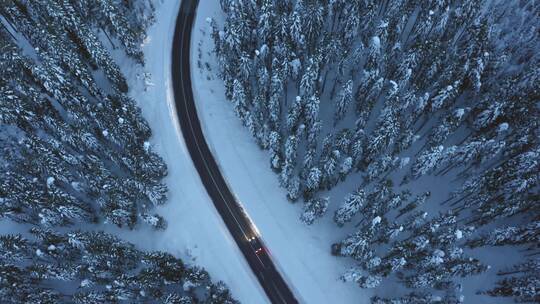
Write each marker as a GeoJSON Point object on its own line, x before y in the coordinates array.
{"type": "Point", "coordinates": [510, 235]}
{"type": "Point", "coordinates": [314, 208]}
{"type": "Point", "coordinates": [352, 205]}
{"type": "Point", "coordinates": [345, 99]}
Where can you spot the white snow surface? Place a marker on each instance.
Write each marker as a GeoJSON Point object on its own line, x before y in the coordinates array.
{"type": "Point", "coordinates": [301, 253]}
{"type": "Point", "coordinates": [50, 181]}
{"type": "Point", "coordinates": [195, 230]}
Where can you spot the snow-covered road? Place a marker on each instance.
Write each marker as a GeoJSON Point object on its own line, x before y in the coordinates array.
{"type": "Point", "coordinates": [196, 232]}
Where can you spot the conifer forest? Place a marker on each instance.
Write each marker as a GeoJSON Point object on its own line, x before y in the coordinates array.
{"type": "Point", "coordinates": [377, 98]}
{"type": "Point", "coordinates": [75, 155]}
{"type": "Point", "coordinates": [407, 130]}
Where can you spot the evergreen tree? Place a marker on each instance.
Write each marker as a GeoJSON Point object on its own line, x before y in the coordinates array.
{"type": "Point", "coordinates": [529, 233]}
{"type": "Point", "coordinates": [343, 102]}
{"type": "Point", "coordinates": [352, 205]}
{"type": "Point", "coordinates": [314, 209]}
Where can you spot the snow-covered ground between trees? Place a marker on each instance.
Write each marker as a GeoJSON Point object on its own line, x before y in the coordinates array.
{"type": "Point", "coordinates": [195, 230]}
{"type": "Point", "coordinates": [302, 253]}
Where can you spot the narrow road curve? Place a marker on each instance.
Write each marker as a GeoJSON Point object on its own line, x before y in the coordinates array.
{"type": "Point", "coordinates": [240, 227]}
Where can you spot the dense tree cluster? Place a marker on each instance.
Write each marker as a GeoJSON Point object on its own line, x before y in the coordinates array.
{"type": "Point", "coordinates": [75, 145]}
{"type": "Point", "coordinates": [74, 150]}
{"type": "Point", "coordinates": [102, 268]}
{"type": "Point", "coordinates": [383, 94]}
{"type": "Point", "coordinates": [522, 282]}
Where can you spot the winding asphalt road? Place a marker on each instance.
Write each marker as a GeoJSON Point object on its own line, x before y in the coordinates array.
{"type": "Point", "coordinates": [239, 225]}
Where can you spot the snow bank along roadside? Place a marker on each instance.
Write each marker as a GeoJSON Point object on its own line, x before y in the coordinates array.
{"type": "Point", "coordinates": [195, 230]}
{"type": "Point", "coordinates": [302, 253]}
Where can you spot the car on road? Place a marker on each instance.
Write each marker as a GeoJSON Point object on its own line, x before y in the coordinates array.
{"type": "Point", "coordinates": [255, 244]}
